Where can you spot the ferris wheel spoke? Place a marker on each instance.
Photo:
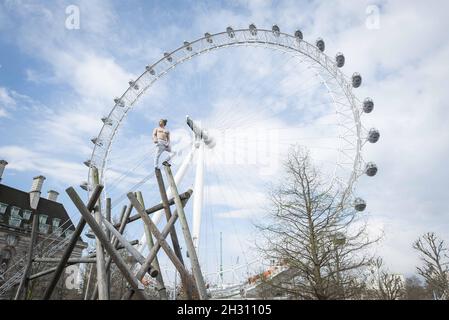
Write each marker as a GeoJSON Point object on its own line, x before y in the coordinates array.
{"type": "Point", "coordinates": [220, 181]}
{"type": "Point", "coordinates": [255, 113]}
{"type": "Point", "coordinates": [264, 88]}
{"type": "Point", "coordinates": [255, 86]}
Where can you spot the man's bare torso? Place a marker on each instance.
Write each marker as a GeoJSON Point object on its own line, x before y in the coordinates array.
{"type": "Point", "coordinates": [161, 134]}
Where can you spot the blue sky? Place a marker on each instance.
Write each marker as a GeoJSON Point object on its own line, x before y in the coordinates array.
{"type": "Point", "coordinates": [56, 84]}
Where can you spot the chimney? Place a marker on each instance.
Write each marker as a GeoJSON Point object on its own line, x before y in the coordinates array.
{"type": "Point", "coordinates": [53, 195]}
{"type": "Point", "coordinates": [3, 164]}
{"type": "Point", "coordinates": [35, 192]}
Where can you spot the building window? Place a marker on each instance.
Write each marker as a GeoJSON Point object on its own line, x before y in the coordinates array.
{"type": "Point", "coordinates": [56, 222]}
{"type": "Point", "coordinates": [43, 228]}
{"type": "Point", "coordinates": [15, 222]}
{"type": "Point", "coordinates": [3, 207]}
{"type": "Point", "coordinates": [15, 212]}
{"type": "Point", "coordinates": [43, 219]}
{"type": "Point", "coordinates": [26, 214]}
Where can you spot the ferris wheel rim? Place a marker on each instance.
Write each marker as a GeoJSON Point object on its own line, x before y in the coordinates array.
{"type": "Point", "coordinates": [271, 41]}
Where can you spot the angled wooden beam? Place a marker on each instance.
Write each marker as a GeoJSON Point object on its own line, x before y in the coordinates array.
{"type": "Point", "coordinates": [201, 286]}
{"type": "Point", "coordinates": [121, 264]}
{"type": "Point", "coordinates": [153, 254]}
{"type": "Point", "coordinates": [159, 207]}
{"type": "Point", "coordinates": [161, 240]}
{"type": "Point", "coordinates": [155, 265]}
{"type": "Point", "coordinates": [51, 270]}
{"type": "Point", "coordinates": [133, 251]}
{"type": "Point", "coordinates": [167, 210]}
{"type": "Point", "coordinates": [70, 261]}
{"type": "Point", "coordinates": [126, 212]}
{"type": "Point", "coordinates": [101, 263]}
{"type": "Point", "coordinates": [24, 281]}
{"type": "Point", "coordinates": [108, 234]}
{"type": "Point", "coordinates": [73, 240]}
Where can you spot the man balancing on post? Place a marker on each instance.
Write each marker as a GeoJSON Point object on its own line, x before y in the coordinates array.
{"type": "Point", "coordinates": [161, 137]}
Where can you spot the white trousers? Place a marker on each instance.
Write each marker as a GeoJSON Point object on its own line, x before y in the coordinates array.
{"type": "Point", "coordinates": [160, 147]}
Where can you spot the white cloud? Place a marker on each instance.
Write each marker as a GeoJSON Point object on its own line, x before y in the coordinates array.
{"type": "Point", "coordinates": [23, 159]}
{"type": "Point", "coordinates": [6, 99]}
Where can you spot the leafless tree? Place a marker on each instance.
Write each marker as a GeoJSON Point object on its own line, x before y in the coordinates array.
{"type": "Point", "coordinates": [314, 231]}
{"type": "Point", "coordinates": [416, 290]}
{"type": "Point", "coordinates": [385, 285]}
{"type": "Point", "coordinates": [435, 268]}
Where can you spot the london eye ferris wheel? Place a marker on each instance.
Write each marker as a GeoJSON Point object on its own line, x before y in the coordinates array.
{"type": "Point", "coordinates": [249, 95]}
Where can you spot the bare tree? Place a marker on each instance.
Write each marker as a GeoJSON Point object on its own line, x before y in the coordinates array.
{"type": "Point", "coordinates": [435, 269]}
{"type": "Point", "coordinates": [385, 285]}
{"type": "Point", "coordinates": [312, 229]}
{"type": "Point", "coordinates": [415, 290]}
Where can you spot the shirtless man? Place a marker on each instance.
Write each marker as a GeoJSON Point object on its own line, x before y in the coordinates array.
{"type": "Point", "coordinates": [161, 137]}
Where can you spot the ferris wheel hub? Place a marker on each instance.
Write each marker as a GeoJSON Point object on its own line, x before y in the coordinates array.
{"type": "Point", "coordinates": [201, 134]}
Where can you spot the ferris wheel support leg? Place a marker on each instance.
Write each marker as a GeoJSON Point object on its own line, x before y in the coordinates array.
{"type": "Point", "coordinates": [198, 190]}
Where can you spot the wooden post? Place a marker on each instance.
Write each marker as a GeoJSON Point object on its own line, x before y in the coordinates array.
{"type": "Point", "coordinates": [161, 240]}
{"type": "Point", "coordinates": [29, 264]}
{"type": "Point", "coordinates": [187, 236]}
{"type": "Point", "coordinates": [153, 253]}
{"type": "Point", "coordinates": [73, 240]}
{"type": "Point", "coordinates": [108, 234]}
{"type": "Point", "coordinates": [121, 264]}
{"type": "Point", "coordinates": [123, 221]}
{"type": "Point", "coordinates": [133, 251]}
{"type": "Point", "coordinates": [155, 249]}
{"type": "Point", "coordinates": [150, 244]}
{"type": "Point", "coordinates": [101, 263]}
{"type": "Point", "coordinates": [173, 235]}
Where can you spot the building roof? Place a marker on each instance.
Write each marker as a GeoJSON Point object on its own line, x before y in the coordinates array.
{"type": "Point", "coordinates": [18, 198]}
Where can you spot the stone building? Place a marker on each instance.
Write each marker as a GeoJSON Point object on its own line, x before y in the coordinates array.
{"type": "Point", "coordinates": [55, 228]}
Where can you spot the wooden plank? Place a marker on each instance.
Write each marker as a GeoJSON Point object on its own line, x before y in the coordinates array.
{"type": "Point", "coordinates": [24, 281]}
{"type": "Point", "coordinates": [51, 270]}
{"type": "Point", "coordinates": [159, 207]}
{"type": "Point", "coordinates": [167, 210]}
{"type": "Point", "coordinates": [73, 240]}
{"type": "Point", "coordinates": [161, 240]}
{"type": "Point", "coordinates": [121, 265]}
{"type": "Point", "coordinates": [126, 212]}
{"type": "Point", "coordinates": [101, 263]}
{"type": "Point", "coordinates": [199, 280]}
{"type": "Point", "coordinates": [108, 234]}
{"type": "Point", "coordinates": [155, 265]}
{"type": "Point", "coordinates": [72, 261]}
{"type": "Point", "coordinates": [153, 254]}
